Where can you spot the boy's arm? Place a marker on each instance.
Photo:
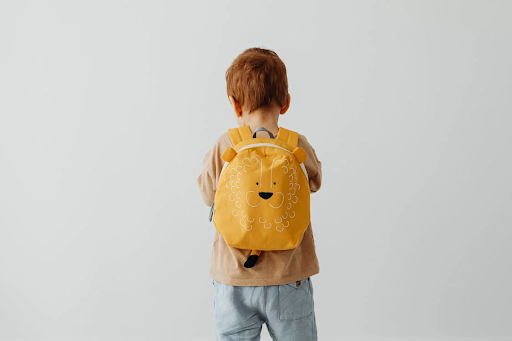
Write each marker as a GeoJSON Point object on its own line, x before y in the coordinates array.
{"type": "Point", "coordinates": [212, 166]}
{"type": "Point", "coordinates": [312, 164]}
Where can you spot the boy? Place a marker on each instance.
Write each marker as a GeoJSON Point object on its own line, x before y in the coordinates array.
{"type": "Point", "coordinates": [279, 293]}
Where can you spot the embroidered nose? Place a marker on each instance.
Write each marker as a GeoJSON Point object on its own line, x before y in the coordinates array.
{"type": "Point", "coordinates": [265, 195]}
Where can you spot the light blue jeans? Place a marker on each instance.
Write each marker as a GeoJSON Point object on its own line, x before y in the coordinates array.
{"type": "Point", "coordinates": [287, 309]}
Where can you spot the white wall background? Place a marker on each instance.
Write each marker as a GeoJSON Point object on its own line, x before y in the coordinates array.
{"type": "Point", "coordinates": [108, 107]}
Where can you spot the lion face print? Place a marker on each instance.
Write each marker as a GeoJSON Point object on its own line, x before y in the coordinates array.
{"type": "Point", "coordinates": [264, 191]}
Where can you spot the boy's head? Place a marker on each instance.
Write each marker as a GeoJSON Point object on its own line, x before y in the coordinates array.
{"type": "Point", "coordinates": [257, 81]}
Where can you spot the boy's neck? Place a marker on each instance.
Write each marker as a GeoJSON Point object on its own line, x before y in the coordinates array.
{"type": "Point", "coordinates": [266, 119]}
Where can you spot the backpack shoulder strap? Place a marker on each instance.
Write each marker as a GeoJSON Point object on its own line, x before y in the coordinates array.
{"type": "Point", "coordinates": [288, 136]}
{"type": "Point", "coordinates": [237, 135]}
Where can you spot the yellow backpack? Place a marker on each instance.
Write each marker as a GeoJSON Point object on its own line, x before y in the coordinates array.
{"type": "Point", "coordinates": [262, 198]}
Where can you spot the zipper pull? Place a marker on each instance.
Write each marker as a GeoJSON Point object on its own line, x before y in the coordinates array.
{"type": "Point", "coordinates": [212, 209]}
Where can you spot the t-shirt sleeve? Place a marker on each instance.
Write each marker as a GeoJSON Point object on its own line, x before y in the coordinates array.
{"type": "Point", "coordinates": [312, 164]}
{"type": "Point", "coordinates": [212, 166]}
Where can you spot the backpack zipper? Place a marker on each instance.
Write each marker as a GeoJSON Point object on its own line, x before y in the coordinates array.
{"type": "Point", "coordinates": [267, 145]}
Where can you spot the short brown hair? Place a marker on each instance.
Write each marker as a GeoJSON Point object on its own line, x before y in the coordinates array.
{"type": "Point", "coordinates": [257, 79]}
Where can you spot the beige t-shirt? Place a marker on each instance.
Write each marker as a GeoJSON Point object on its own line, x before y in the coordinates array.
{"type": "Point", "coordinates": [273, 267]}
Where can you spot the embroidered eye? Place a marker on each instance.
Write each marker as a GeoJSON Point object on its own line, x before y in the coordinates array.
{"type": "Point", "coordinates": [257, 183]}
{"type": "Point", "coordinates": [274, 183]}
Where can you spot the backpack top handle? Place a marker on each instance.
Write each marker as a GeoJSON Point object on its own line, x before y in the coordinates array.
{"type": "Point", "coordinates": [262, 129]}
{"type": "Point", "coordinates": [237, 135]}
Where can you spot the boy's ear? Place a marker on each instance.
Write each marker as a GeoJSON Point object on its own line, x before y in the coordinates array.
{"type": "Point", "coordinates": [236, 107]}
{"type": "Point", "coordinates": [286, 106]}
